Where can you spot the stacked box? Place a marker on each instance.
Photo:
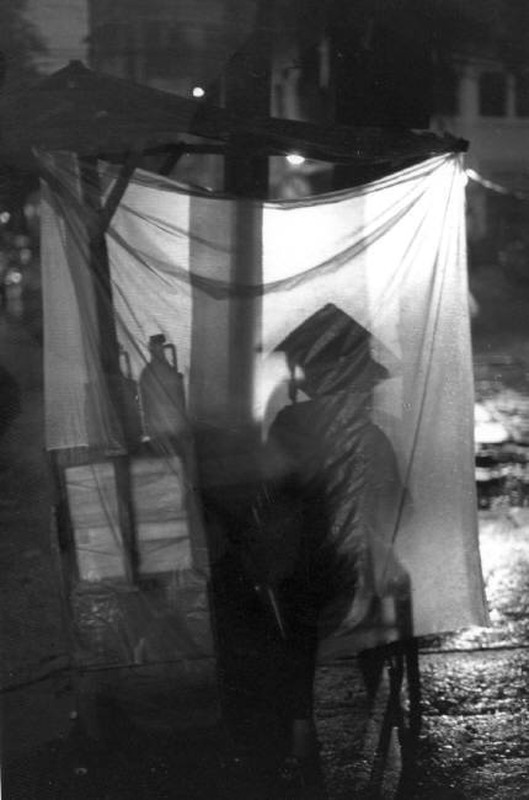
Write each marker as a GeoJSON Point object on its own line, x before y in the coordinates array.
{"type": "Point", "coordinates": [161, 519]}
{"type": "Point", "coordinates": [159, 501]}
{"type": "Point", "coordinates": [92, 500]}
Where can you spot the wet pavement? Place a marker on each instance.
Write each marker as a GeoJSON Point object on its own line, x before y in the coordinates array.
{"type": "Point", "coordinates": [474, 737]}
{"type": "Point", "coordinates": [475, 709]}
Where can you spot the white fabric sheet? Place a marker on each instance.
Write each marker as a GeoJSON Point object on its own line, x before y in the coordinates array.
{"type": "Point", "coordinates": [227, 280]}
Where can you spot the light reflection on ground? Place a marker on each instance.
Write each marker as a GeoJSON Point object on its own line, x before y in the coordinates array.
{"type": "Point", "coordinates": [504, 547]}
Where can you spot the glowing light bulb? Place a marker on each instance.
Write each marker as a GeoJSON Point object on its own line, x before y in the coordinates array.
{"type": "Point", "coordinates": [295, 159]}
{"type": "Point", "coordinates": [198, 91]}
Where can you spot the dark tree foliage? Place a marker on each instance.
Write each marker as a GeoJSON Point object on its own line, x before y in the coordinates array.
{"type": "Point", "coordinates": [19, 44]}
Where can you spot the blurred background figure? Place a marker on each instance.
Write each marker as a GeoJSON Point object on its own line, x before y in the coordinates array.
{"type": "Point", "coordinates": [10, 400]}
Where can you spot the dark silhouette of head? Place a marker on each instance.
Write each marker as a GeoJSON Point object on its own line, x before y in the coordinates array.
{"type": "Point", "coordinates": [334, 353]}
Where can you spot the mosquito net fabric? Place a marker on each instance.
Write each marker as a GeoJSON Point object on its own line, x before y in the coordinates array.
{"type": "Point", "coordinates": [295, 388]}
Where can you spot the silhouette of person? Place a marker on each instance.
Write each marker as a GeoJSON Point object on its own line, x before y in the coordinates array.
{"type": "Point", "coordinates": [336, 472]}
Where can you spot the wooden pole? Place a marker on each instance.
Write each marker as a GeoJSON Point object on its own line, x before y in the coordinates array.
{"type": "Point", "coordinates": [247, 93]}
{"type": "Point", "coordinates": [100, 271]}
{"type": "Point", "coordinates": [99, 217]}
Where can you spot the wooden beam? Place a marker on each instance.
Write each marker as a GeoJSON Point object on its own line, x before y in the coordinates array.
{"type": "Point", "coordinates": [119, 188]}
{"type": "Point", "coordinates": [172, 157]}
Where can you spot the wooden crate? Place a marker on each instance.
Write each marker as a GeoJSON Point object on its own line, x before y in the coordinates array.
{"type": "Point", "coordinates": [93, 507]}
{"type": "Point", "coordinates": [159, 489]}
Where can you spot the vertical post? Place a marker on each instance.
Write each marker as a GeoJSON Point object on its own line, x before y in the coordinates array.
{"type": "Point", "coordinates": [247, 93]}
{"type": "Point", "coordinates": [108, 347]}
{"type": "Point", "coordinates": [99, 268]}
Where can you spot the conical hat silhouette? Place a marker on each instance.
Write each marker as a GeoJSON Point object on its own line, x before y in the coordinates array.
{"type": "Point", "coordinates": [334, 351]}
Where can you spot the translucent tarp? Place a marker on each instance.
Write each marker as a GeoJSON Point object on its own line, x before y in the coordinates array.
{"type": "Point", "coordinates": [294, 396]}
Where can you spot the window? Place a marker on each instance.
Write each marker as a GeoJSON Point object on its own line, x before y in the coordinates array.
{"type": "Point", "coordinates": [447, 92]}
{"type": "Point", "coordinates": [492, 94]}
{"type": "Point", "coordinates": [521, 95]}
{"type": "Point", "coordinates": [310, 65]}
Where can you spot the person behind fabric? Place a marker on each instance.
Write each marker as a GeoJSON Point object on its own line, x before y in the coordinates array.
{"type": "Point", "coordinates": [335, 468]}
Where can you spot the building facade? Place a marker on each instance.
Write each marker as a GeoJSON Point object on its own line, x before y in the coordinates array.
{"type": "Point", "coordinates": [187, 47]}
{"type": "Point", "coordinates": [489, 106]}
